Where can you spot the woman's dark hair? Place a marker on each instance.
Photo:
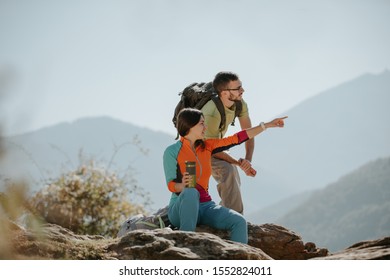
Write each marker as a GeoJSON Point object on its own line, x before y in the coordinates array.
{"type": "Point", "coordinates": [222, 79]}
{"type": "Point", "coordinates": [186, 119]}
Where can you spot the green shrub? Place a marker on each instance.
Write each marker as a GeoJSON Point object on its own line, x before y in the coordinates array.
{"type": "Point", "coordinates": [90, 200]}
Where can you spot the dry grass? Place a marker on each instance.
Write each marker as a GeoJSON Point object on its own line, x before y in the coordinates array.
{"type": "Point", "coordinates": [13, 212]}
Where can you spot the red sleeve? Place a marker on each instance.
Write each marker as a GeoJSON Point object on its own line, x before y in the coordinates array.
{"type": "Point", "coordinates": [242, 136]}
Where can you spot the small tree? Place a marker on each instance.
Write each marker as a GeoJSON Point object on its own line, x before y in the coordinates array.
{"type": "Point", "coordinates": [90, 200]}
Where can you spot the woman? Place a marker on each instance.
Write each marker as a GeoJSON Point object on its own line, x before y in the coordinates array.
{"type": "Point", "coordinates": [189, 207]}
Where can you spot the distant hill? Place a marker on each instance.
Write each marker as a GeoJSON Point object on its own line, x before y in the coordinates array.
{"type": "Point", "coordinates": [273, 212]}
{"type": "Point", "coordinates": [47, 152]}
{"type": "Point", "coordinates": [354, 208]}
{"type": "Point", "coordinates": [325, 137]}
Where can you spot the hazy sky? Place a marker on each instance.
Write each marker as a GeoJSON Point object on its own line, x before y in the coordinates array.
{"type": "Point", "coordinates": [62, 60]}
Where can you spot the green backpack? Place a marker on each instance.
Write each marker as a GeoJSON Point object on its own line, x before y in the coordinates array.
{"type": "Point", "coordinates": [196, 95]}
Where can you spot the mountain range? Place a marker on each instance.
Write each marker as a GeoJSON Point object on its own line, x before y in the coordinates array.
{"type": "Point", "coordinates": [354, 208]}
{"type": "Point", "coordinates": [123, 148]}
{"type": "Point", "coordinates": [325, 137]}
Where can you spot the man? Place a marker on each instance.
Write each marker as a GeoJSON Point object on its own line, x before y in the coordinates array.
{"type": "Point", "coordinates": [224, 166]}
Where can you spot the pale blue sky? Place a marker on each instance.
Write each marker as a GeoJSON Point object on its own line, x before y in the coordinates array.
{"type": "Point", "coordinates": [63, 60]}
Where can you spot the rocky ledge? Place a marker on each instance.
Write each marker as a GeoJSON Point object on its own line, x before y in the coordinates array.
{"type": "Point", "coordinates": [266, 241]}
{"type": "Point", "coordinates": [366, 250]}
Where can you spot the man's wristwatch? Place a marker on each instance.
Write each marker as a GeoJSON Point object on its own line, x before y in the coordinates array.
{"type": "Point", "coordinates": [263, 126]}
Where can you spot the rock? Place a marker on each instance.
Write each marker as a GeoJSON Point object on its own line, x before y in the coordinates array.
{"type": "Point", "coordinates": [55, 242]}
{"type": "Point", "coordinates": [276, 241]}
{"type": "Point", "coordinates": [266, 242]}
{"type": "Point", "coordinates": [366, 250]}
{"type": "Point", "coordinates": [166, 244]}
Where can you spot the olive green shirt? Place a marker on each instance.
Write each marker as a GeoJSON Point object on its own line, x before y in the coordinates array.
{"type": "Point", "coordinates": [213, 118]}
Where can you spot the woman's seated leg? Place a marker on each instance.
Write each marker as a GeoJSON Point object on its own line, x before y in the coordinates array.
{"type": "Point", "coordinates": [220, 217]}
{"type": "Point", "coordinates": [185, 212]}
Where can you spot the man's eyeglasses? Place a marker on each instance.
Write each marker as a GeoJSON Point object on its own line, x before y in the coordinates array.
{"type": "Point", "coordinates": [238, 89]}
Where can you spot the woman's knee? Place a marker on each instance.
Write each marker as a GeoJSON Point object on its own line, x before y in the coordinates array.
{"type": "Point", "coordinates": [186, 207]}
{"type": "Point", "coordinates": [232, 219]}
{"type": "Point", "coordinates": [237, 221]}
{"type": "Point", "coordinates": [190, 193]}
{"type": "Point", "coordinates": [240, 220]}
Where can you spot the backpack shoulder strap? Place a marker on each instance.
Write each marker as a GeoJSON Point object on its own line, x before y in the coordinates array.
{"type": "Point", "coordinates": [221, 110]}
{"type": "Point", "coordinates": [237, 111]}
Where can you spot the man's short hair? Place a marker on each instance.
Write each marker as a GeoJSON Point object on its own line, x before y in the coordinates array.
{"type": "Point", "coordinates": [222, 79]}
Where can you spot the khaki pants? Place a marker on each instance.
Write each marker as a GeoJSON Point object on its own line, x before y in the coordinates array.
{"type": "Point", "coordinates": [228, 179]}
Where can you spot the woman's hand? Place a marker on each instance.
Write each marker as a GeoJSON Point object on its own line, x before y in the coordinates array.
{"type": "Point", "coordinates": [185, 180]}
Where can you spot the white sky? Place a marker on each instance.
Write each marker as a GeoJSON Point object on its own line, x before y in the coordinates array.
{"type": "Point", "coordinates": [63, 60]}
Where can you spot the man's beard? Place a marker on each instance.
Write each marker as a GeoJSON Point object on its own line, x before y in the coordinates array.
{"type": "Point", "coordinates": [234, 98]}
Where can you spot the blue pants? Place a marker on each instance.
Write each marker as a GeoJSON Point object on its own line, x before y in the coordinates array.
{"type": "Point", "coordinates": [187, 212]}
